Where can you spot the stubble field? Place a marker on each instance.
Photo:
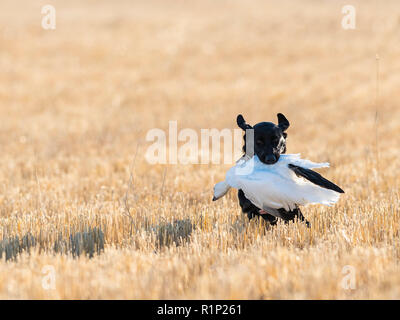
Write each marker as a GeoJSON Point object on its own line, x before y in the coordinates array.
{"type": "Point", "coordinates": [83, 215]}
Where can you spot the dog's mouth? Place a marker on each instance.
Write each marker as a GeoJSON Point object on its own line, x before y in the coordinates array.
{"type": "Point", "coordinates": [270, 159]}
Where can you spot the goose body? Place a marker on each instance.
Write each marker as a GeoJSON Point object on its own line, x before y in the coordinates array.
{"type": "Point", "coordinates": [286, 184]}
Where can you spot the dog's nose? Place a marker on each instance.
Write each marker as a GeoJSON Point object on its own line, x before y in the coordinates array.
{"type": "Point", "coordinates": [270, 159]}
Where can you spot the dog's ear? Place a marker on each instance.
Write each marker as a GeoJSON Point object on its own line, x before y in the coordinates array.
{"type": "Point", "coordinates": [242, 124]}
{"type": "Point", "coordinates": [283, 123]}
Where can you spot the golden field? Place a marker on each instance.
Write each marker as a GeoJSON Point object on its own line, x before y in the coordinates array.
{"type": "Point", "coordinates": [76, 104]}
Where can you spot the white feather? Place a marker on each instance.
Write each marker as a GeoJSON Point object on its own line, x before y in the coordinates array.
{"type": "Point", "coordinates": [277, 186]}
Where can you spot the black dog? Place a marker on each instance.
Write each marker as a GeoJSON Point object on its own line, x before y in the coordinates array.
{"type": "Point", "coordinates": [268, 143]}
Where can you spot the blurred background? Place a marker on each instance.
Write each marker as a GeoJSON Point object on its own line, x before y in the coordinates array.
{"type": "Point", "coordinates": [112, 69]}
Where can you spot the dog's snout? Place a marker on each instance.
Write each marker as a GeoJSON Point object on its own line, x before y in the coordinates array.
{"type": "Point", "coordinates": [270, 159]}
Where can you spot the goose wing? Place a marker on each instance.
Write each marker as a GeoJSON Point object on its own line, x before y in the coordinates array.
{"type": "Point", "coordinates": [314, 177]}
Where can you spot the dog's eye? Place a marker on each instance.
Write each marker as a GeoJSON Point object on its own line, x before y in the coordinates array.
{"type": "Point", "coordinates": [259, 142]}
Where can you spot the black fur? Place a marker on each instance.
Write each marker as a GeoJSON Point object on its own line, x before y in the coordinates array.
{"type": "Point", "coordinates": [269, 139]}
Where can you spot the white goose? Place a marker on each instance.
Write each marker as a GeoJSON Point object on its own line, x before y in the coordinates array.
{"type": "Point", "coordinates": [286, 184]}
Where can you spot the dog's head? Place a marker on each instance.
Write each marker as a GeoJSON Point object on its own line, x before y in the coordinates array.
{"type": "Point", "coordinates": [269, 139]}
